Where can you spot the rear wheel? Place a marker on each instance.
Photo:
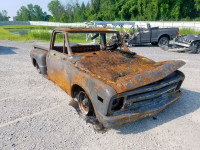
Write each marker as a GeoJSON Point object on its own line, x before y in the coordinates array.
{"type": "Point", "coordinates": [163, 42]}
{"type": "Point", "coordinates": [38, 68]}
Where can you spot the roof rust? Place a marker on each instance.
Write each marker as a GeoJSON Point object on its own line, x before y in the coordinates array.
{"type": "Point", "coordinates": [79, 30]}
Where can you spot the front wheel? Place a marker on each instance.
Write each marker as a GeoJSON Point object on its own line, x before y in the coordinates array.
{"type": "Point", "coordinates": [84, 103]}
{"type": "Point", "coordinates": [195, 48]}
{"type": "Point", "coordinates": [86, 108]}
{"type": "Point", "coordinates": [163, 42]}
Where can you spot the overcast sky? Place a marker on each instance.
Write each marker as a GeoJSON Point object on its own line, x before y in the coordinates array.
{"type": "Point", "coordinates": [13, 5]}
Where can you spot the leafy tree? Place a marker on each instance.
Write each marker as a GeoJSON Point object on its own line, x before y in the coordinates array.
{"type": "Point", "coordinates": [114, 10]}
{"type": "Point", "coordinates": [23, 14]}
{"type": "Point", "coordinates": [38, 13]}
{"type": "Point", "coordinates": [56, 9]}
{"type": "Point", "coordinates": [70, 12]}
{"type": "Point", "coordinates": [197, 5]}
{"type": "Point", "coordinates": [82, 12]}
{"type": "Point", "coordinates": [31, 13]}
{"type": "Point", "coordinates": [64, 18]}
{"type": "Point", "coordinates": [4, 15]}
{"type": "Point", "coordinates": [77, 13]}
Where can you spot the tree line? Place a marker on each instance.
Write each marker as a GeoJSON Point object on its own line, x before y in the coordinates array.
{"type": "Point", "coordinates": [32, 13]}
{"type": "Point", "coordinates": [114, 10]}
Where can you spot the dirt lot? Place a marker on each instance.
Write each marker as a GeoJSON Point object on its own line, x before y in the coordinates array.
{"type": "Point", "coordinates": [35, 113]}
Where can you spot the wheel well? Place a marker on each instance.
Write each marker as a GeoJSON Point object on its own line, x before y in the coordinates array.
{"type": "Point", "coordinates": [164, 35]}
{"type": "Point", "coordinates": [75, 88]}
{"type": "Point", "coordinates": [34, 62]}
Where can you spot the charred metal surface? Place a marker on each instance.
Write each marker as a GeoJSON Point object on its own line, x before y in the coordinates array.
{"type": "Point", "coordinates": [121, 85]}
{"type": "Point", "coordinates": [39, 56]}
{"type": "Point", "coordinates": [139, 70]}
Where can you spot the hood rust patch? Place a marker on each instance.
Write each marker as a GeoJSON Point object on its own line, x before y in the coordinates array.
{"type": "Point", "coordinates": [125, 72]}
{"type": "Point", "coordinates": [109, 65]}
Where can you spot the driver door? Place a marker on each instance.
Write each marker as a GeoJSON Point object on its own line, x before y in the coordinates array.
{"type": "Point", "coordinates": [56, 60]}
{"type": "Point", "coordinates": [145, 35]}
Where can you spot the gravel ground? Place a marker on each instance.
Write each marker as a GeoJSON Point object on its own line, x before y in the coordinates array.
{"type": "Point", "coordinates": [35, 113]}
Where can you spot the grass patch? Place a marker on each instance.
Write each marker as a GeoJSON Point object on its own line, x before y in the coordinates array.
{"type": "Point", "coordinates": [24, 27]}
{"type": "Point", "coordinates": [6, 35]}
{"type": "Point", "coordinates": [43, 33]}
{"type": "Point", "coordinates": [39, 33]}
{"type": "Point", "coordinates": [186, 31]}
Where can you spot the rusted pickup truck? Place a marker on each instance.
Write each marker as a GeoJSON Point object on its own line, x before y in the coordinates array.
{"type": "Point", "coordinates": [96, 68]}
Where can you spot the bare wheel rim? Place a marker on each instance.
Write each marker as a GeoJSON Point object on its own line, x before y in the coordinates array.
{"type": "Point", "coordinates": [83, 103]}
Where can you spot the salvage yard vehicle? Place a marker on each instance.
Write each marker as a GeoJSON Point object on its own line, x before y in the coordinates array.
{"type": "Point", "coordinates": [187, 43]}
{"type": "Point", "coordinates": [108, 81]}
{"type": "Point", "coordinates": [153, 35]}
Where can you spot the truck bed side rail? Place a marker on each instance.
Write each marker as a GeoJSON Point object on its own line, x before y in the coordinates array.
{"type": "Point", "coordinates": [40, 47]}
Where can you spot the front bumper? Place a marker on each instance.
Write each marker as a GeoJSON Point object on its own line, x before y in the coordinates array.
{"type": "Point", "coordinates": [120, 118]}
{"type": "Point", "coordinates": [182, 44]}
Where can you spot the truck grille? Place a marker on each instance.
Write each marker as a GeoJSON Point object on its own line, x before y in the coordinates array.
{"type": "Point", "coordinates": [152, 93]}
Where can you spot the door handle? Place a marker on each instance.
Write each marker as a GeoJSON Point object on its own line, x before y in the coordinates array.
{"type": "Point", "coordinates": [53, 54]}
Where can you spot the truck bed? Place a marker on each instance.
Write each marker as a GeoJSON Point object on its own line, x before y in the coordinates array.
{"type": "Point", "coordinates": [40, 47]}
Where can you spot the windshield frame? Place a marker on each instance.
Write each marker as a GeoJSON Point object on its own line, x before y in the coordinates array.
{"type": "Point", "coordinates": [103, 47]}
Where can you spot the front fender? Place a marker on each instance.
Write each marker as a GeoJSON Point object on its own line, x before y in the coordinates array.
{"type": "Point", "coordinates": [98, 92]}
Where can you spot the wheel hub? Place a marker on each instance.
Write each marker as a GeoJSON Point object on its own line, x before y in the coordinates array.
{"type": "Point", "coordinates": [164, 42]}
{"type": "Point", "coordinates": [83, 103]}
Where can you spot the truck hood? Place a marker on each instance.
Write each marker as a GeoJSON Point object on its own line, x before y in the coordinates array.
{"type": "Point", "coordinates": [124, 71]}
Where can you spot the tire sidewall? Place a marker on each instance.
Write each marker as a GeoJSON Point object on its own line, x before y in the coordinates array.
{"type": "Point", "coordinates": [160, 42]}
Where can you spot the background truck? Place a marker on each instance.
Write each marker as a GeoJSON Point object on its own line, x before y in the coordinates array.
{"type": "Point", "coordinates": [153, 35]}
{"type": "Point", "coordinates": [186, 44]}
{"type": "Point", "coordinates": [106, 79]}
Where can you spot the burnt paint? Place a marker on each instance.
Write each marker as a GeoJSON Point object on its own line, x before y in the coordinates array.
{"type": "Point", "coordinates": [98, 74]}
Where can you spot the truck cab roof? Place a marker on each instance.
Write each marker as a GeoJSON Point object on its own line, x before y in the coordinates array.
{"type": "Point", "coordinates": [85, 30]}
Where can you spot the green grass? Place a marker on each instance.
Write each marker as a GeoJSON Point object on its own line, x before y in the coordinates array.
{"type": "Point", "coordinates": [23, 27]}
{"type": "Point", "coordinates": [35, 33]}
{"type": "Point", "coordinates": [32, 33]}
{"type": "Point", "coordinates": [186, 31]}
{"type": "Point", "coordinates": [39, 33]}
{"type": "Point", "coordinates": [43, 33]}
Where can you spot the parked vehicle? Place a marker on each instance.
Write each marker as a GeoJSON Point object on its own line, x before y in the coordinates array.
{"type": "Point", "coordinates": [108, 81]}
{"type": "Point", "coordinates": [187, 43]}
{"type": "Point", "coordinates": [153, 35]}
